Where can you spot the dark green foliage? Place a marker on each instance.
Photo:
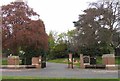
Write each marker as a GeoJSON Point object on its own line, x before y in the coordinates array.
{"type": "Point", "coordinates": [117, 51]}
{"type": "Point", "coordinates": [60, 44]}
{"type": "Point", "coordinates": [95, 50]}
{"type": "Point", "coordinates": [97, 28]}
{"type": "Point", "coordinates": [117, 60]}
{"type": "Point", "coordinates": [29, 53]}
{"type": "Point", "coordinates": [59, 51]}
{"type": "Point", "coordinates": [4, 61]}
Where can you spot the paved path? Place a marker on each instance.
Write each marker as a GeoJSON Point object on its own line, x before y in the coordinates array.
{"type": "Point", "coordinates": [56, 70]}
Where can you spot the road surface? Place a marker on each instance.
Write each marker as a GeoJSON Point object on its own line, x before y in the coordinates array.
{"type": "Point", "coordinates": [56, 70]}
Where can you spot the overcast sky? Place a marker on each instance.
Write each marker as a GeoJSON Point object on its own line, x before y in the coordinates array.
{"type": "Point", "coordinates": [58, 15]}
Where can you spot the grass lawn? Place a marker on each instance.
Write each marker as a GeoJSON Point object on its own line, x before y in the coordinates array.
{"type": "Point", "coordinates": [60, 80]}
{"type": "Point", "coordinates": [99, 60]}
{"type": "Point", "coordinates": [18, 78]}
{"type": "Point", "coordinates": [65, 61]}
{"type": "Point", "coordinates": [117, 60]}
{"type": "Point", "coordinates": [60, 60]}
{"type": "Point", "coordinates": [4, 62]}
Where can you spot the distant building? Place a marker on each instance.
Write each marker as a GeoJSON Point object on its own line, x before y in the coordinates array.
{"type": "Point", "coordinates": [18, 0]}
{"type": "Point", "coordinates": [21, 1]}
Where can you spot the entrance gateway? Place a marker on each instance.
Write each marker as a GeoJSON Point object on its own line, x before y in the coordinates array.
{"type": "Point", "coordinates": [108, 62]}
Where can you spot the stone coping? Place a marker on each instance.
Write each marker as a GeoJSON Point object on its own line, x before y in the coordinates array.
{"type": "Point", "coordinates": [17, 66]}
{"type": "Point", "coordinates": [111, 65]}
{"type": "Point", "coordinates": [13, 56]}
{"type": "Point", "coordinates": [108, 55]}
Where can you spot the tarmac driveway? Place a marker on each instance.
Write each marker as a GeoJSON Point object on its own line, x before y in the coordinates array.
{"type": "Point", "coordinates": [56, 70]}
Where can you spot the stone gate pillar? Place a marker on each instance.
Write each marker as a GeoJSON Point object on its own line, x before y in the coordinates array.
{"type": "Point", "coordinates": [13, 60]}
{"type": "Point", "coordinates": [70, 61]}
{"type": "Point", "coordinates": [81, 62]}
{"type": "Point", "coordinates": [36, 61]}
{"type": "Point", "coordinates": [109, 61]}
